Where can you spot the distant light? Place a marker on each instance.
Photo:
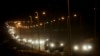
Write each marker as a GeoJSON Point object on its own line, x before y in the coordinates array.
{"type": "Point", "coordinates": [26, 26]}
{"type": "Point", "coordinates": [41, 24]}
{"type": "Point", "coordinates": [62, 18]}
{"type": "Point", "coordinates": [75, 15]}
{"type": "Point", "coordinates": [36, 17]}
{"type": "Point", "coordinates": [52, 45]}
{"type": "Point", "coordinates": [41, 42]}
{"type": "Point", "coordinates": [15, 22]}
{"type": "Point", "coordinates": [25, 40]}
{"type": "Point", "coordinates": [54, 20]}
{"type": "Point", "coordinates": [28, 21]}
{"type": "Point", "coordinates": [13, 35]}
{"type": "Point", "coordinates": [47, 39]}
{"type": "Point", "coordinates": [76, 47]}
{"type": "Point", "coordinates": [30, 40]}
{"type": "Point", "coordinates": [23, 21]}
{"type": "Point", "coordinates": [37, 25]}
{"type": "Point", "coordinates": [43, 13]}
{"type": "Point", "coordinates": [94, 8]}
{"type": "Point", "coordinates": [51, 21]}
{"type": "Point", "coordinates": [36, 42]}
{"type": "Point", "coordinates": [59, 19]}
{"type": "Point", "coordinates": [68, 16]}
{"type": "Point", "coordinates": [84, 47]}
{"type": "Point", "coordinates": [18, 23]}
{"type": "Point", "coordinates": [89, 47]}
{"type": "Point", "coordinates": [12, 32]}
{"type": "Point", "coordinates": [61, 44]}
{"type": "Point", "coordinates": [47, 22]}
{"type": "Point", "coordinates": [19, 39]}
{"type": "Point", "coordinates": [7, 26]}
{"type": "Point", "coordinates": [33, 25]}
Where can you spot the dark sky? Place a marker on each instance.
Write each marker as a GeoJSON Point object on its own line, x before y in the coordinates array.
{"type": "Point", "coordinates": [18, 7]}
{"type": "Point", "coordinates": [10, 9]}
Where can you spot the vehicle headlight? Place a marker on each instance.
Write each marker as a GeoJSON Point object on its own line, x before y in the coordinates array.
{"type": "Point", "coordinates": [61, 44]}
{"type": "Point", "coordinates": [52, 44]}
{"type": "Point", "coordinates": [86, 47]}
{"type": "Point", "coordinates": [76, 47]}
{"type": "Point", "coordinates": [89, 47]}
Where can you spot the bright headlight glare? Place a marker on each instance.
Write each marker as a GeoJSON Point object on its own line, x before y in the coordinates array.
{"type": "Point", "coordinates": [84, 47]}
{"type": "Point", "coordinates": [37, 42]}
{"type": "Point", "coordinates": [41, 42]}
{"type": "Point", "coordinates": [30, 40]}
{"type": "Point", "coordinates": [52, 45]}
{"type": "Point", "coordinates": [76, 47]}
{"type": "Point", "coordinates": [89, 47]}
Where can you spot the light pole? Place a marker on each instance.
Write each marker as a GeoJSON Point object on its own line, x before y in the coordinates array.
{"type": "Point", "coordinates": [30, 27]}
{"type": "Point", "coordinates": [76, 16]}
{"type": "Point", "coordinates": [19, 27]}
{"type": "Point", "coordinates": [30, 19]}
{"type": "Point", "coordinates": [95, 34]}
{"type": "Point", "coordinates": [38, 21]}
{"type": "Point", "coordinates": [69, 30]}
{"type": "Point", "coordinates": [37, 18]}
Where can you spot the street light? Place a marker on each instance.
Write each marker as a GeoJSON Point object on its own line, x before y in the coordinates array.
{"type": "Point", "coordinates": [18, 24]}
{"type": "Point", "coordinates": [47, 39]}
{"type": "Point", "coordinates": [24, 40]}
{"type": "Point", "coordinates": [86, 47]}
{"type": "Point", "coordinates": [39, 24]}
{"type": "Point", "coordinates": [29, 40]}
{"type": "Point", "coordinates": [52, 45]}
{"type": "Point", "coordinates": [76, 47]}
{"type": "Point", "coordinates": [61, 44]}
{"type": "Point", "coordinates": [30, 18]}
{"type": "Point", "coordinates": [37, 17]}
{"type": "Point", "coordinates": [62, 18]}
{"type": "Point", "coordinates": [43, 13]}
{"type": "Point", "coordinates": [75, 15]}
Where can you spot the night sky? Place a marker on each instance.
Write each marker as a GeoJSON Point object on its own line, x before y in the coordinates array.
{"type": "Point", "coordinates": [10, 9]}
{"type": "Point", "coordinates": [16, 7]}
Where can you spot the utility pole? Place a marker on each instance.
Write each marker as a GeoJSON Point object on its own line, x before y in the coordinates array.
{"type": "Point", "coordinates": [30, 28]}
{"type": "Point", "coordinates": [95, 22]}
{"type": "Point", "coordinates": [69, 30]}
{"type": "Point", "coordinates": [37, 17]}
{"type": "Point", "coordinates": [96, 52]}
